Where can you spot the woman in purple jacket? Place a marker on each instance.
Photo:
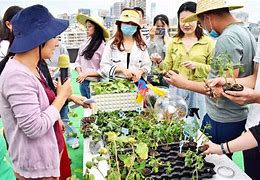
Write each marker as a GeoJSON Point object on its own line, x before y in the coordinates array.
{"type": "Point", "coordinates": [27, 114]}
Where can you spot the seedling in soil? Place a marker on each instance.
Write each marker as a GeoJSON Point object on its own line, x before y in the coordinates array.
{"type": "Point", "coordinates": [194, 160]}
{"type": "Point", "coordinates": [224, 65]}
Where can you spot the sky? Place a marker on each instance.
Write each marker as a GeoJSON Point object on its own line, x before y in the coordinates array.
{"type": "Point", "coordinates": [168, 7]}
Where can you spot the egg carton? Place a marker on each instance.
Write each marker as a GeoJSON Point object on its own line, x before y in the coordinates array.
{"type": "Point", "coordinates": [113, 102]}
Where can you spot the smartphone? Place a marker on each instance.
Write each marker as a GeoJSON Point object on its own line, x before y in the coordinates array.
{"type": "Point", "coordinates": [160, 31]}
{"type": "Point", "coordinates": [89, 101]}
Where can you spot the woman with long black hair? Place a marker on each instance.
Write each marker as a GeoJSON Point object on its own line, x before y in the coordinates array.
{"type": "Point", "coordinates": [89, 56]}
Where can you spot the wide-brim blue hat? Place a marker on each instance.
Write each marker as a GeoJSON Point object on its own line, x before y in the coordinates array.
{"type": "Point", "coordinates": [34, 26]}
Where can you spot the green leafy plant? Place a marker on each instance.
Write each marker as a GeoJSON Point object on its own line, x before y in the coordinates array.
{"type": "Point", "coordinates": [111, 87]}
{"type": "Point", "coordinates": [94, 163]}
{"type": "Point", "coordinates": [194, 160]}
{"type": "Point", "coordinates": [224, 66]}
{"type": "Point", "coordinates": [132, 140]}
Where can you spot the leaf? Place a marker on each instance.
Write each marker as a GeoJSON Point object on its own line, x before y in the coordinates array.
{"type": "Point", "coordinates": [138, 176]}
{"type": "Point", "coordinates": [142, 150]}
{"type": "Point", "coordinates": [141, 166]}
{"type": "Point", "coordinates": [111, 136]}
{"type": "Point", "coordinates": [122, 139]}
{"type": "Point", "coordinates": [128, 159]}
{"type": "Point", "coordinates": [89, 177]}
{"type": "Point", "coordinates": [132, 176]}
{"type": "Point", "coordinates": [114, 175]}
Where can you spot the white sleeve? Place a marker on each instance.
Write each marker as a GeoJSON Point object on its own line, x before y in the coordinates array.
{"type": "Point", "coordinates": [146, 63]}
{"type": "Point", "coordinates": [257, 54]}
{"type": "Point", "coordinates": [107, 67]}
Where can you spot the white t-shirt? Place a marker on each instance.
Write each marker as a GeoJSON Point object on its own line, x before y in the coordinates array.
{"type": "Point", "coordinates": [4, 45]}
{"type": "Point", "coordinates": [253, 117]}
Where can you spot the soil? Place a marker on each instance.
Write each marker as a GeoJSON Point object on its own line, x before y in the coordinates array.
{"type": "Point", "coordinates": [155, 79]}
{"type": "Point", "coordinates": [147, 171]}
{"type": "Point", "coordinates": [233, 87]}
{"type": "Point", "coordinates": [203, 148]}
{"type": "Point", "coordinates": [154, 153]}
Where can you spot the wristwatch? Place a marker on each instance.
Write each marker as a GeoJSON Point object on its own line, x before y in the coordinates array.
{"type": "Point", "coordinates": [222, 148]}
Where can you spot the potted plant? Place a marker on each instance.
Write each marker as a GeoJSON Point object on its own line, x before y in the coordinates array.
{"type": "Point", "coordinates": [225, 67]}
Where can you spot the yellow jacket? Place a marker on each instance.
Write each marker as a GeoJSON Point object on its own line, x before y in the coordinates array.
{"type": "Point", "coordinates": [200, 53]}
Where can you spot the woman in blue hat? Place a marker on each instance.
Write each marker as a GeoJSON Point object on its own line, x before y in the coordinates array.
{"type": "Point", "coordinates": [29, 108]}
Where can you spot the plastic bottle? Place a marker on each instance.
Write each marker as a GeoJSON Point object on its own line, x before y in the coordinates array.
{"type": "Point", "coordinates": [191, 124]}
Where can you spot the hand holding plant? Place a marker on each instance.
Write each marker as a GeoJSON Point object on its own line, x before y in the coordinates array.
{"type": "Point", "coordinates": [247, 96]}
{"type": "Point", "coordinates": [213, 148]}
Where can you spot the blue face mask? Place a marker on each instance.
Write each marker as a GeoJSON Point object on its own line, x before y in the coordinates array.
{"type": "Point", "coordinates": [128, 30]}
{"type": "Point", "coordinates": [213, 34]}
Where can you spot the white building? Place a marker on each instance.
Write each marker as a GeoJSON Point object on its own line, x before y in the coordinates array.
{"type": "Point", "coordinates": [136, 3]}
{"type": "Point", "coordinates": [116, 9]}
{"type": "Point", "coordinates": [74, 36]}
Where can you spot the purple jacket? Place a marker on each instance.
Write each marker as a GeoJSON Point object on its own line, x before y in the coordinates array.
{"type": "Point", "coordinates": [28, 121]}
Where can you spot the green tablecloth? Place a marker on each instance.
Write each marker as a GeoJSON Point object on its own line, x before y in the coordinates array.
{"type": "Point", "coordinates": [6, 170]}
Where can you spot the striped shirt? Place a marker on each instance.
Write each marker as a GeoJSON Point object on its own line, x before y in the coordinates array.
{"type": "Point", "coordinates": [145, 32]}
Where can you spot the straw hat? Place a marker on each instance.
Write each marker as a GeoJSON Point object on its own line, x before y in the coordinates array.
{"type": "Point", "coordinates": [129, 15]}
{"type": "Point", "coordinates": [208, 5]}
{"type": "Point", "coordinates": [81, 18]}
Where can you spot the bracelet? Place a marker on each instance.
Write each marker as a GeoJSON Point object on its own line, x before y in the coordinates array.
{"type": "Point", "coordinates": [228, 148]}
{"type": "Point", "coordinates": [222, 148]}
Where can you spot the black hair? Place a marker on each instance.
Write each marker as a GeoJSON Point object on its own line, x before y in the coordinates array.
{"type": "Point", "coordinates": [6, 34]}
{"type": "Point", "coordinates": [161, 17]}
{"type": "Point", "coordinates": [126, 9]}
{"type": "Point", "coordinates": [139, 9]}
{"type": "Point", "coordinates": [191, 7]}
{"type": "Point", "coordinates": [43, 67]}
{"type": "Point", "coordinates": [1, 30]}
{"type": "Point", "coordinates": [96, 40]}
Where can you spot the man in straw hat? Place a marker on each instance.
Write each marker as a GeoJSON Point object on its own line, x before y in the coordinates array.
{"type": "Point", "coordinates": [226, 117]}
{"type": "Point", "coordinates": [250, 95]}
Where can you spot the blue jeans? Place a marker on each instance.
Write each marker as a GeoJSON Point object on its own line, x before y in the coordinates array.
{"type": "Point", "coordinates": [64, 114]}
{"type": "Point", "coordinates": [222, 132]}
{"type": "Point", "coordinates": [84, 88]}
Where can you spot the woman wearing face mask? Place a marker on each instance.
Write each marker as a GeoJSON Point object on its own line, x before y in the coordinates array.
{"type": "Point", "coordinates": [88, 60]}
{"type": "Point", "coordinates": [190, 53]}
{"type": "Point", "coordinates": [126, 55]}
{"type": "Point", "coordinates": [159, 37]}
{"type": "Point", "coordinates": [28, 105]}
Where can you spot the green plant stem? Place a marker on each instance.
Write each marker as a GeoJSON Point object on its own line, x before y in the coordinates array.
{"type": "Point", "coordinates": [117, 163]}
{"type": "Point", "coordinates": [225, 76]}
{"type": "Point", "coordinates": [130, 168]}
{"type": "Point", "coordinates": [234, 80]}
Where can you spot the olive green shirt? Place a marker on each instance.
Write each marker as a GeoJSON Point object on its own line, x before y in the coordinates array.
{"type": "Point", "coordinates": [200, 53]}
